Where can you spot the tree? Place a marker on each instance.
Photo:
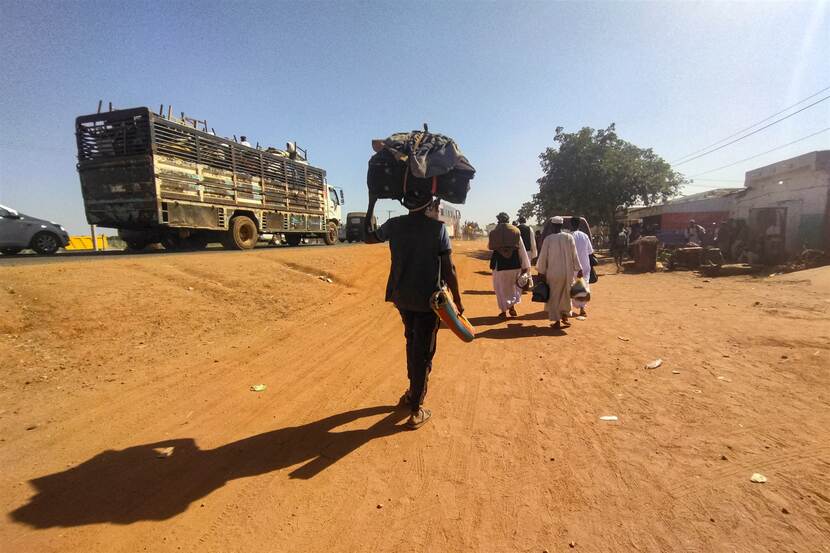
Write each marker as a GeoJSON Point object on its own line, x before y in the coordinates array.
{"type": "Point", "coordinates": [528, 211]}
{"type": "Point", "coordinates": [593, 173]}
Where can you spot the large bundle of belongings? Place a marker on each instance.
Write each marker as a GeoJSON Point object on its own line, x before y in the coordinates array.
{"type": "Point", "coordinates": [413, 167]}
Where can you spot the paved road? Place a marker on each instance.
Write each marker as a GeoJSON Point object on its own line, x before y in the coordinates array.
{"type": "Point", "coordinates": [64, 256]}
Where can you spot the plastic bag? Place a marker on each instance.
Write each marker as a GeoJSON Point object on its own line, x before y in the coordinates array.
{"type": "Point", "coordinates": [524, 282]}
{"type": "Point", "coordinates": [579, 290]}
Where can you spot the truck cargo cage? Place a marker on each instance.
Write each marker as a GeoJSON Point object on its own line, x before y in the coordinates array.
{"type": "Point", "coordinates": [126, 134]}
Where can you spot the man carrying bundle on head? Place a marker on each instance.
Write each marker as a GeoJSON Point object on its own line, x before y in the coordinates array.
{"type": "Point", "coordinates": [415, 168]}
{"type": "Point", "coordinates": [557, 264]}
{"type": "Point", "coordinates": [420, 248]}
{"type": "Point", "coordinates": [508, 260]}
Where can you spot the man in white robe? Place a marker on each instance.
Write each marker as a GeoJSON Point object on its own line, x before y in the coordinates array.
{"type": "Point", "coordinates": [584, 249]}
{"type": "Point", "coordinates": [557, 265]}
{"type": "Point", "coordinates": [508, 260]}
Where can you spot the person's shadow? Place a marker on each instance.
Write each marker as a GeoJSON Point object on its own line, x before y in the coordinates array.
{"type": "Point", "coordinates": [135, 484]}
{"type": "Point", "coordinates": [519, 330]}
{"type": "Point", "coordinates": [490, 320]}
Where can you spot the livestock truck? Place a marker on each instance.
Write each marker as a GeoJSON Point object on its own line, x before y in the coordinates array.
{"type": "Point", "coordinates": [162, 180]}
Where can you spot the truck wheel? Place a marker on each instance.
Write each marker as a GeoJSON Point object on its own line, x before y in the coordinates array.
{"type": "Point", "coordinates": [196, 242]}
{"type": "Point", "coordinates": [171, 242]}
{"type": "Point", "coordinates": [242, 234]}
{"type": "Point", "coordinates": [45, 243]}
{"type": "Point", "coordinates": [135, 246]}
{"type": "Point", "coordinates": [330, 237]}
{"type": "Point", "coordinates": [11, 251]}
{"type": "Point", "coordinates": [293, 239]}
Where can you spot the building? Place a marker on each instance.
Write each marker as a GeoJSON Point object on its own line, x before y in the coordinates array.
{"type": "Point", "coordinates": [785, 206]}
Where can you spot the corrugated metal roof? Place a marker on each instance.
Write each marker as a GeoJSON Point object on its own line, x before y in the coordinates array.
{"type": "Point", "coordinates": [706, 195]}
{"type": "Point", "coordinates": [673, 204]}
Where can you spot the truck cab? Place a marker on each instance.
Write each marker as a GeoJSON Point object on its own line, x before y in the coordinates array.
{"type": "Point", "coordinates": [334, 207]}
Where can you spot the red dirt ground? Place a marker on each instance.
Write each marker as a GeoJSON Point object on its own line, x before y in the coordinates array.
{"type": "Point", "coordinates": [108, 361]}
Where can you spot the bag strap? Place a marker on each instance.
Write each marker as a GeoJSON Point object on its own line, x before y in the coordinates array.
{"type": "Point", "coordinates": [439, 283]}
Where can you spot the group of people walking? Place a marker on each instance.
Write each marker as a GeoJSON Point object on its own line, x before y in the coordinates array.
{"type": "Point", "coordinates": [421, 255]}
{"type": "Point", "coordinates": [562, 257]}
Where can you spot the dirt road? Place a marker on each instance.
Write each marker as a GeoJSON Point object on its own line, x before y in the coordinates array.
{"type": "Point", "coordinates": [109, 364]}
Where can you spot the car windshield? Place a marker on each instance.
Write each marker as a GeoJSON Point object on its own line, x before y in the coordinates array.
{"type": "Point", "coordinates": [9, 211]}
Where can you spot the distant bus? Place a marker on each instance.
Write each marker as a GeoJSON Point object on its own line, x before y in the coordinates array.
{"type": "Point", "coordinates": [451, 217]}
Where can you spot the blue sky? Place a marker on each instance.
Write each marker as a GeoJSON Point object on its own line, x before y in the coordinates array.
{"type": "Point", "coordinates": [499, 77]}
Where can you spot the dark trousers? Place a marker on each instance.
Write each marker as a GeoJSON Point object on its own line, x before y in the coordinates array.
{"type": "Point", "coordinates": [421, 331]}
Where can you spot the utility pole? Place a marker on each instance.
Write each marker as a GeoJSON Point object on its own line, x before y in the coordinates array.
{"type": "Point", "coordinates": [389, 213]}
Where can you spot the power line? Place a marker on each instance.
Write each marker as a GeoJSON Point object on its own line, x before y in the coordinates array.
{"type": "Point", "coordinates": [763, 153]}
{"type": "Point", "coordinates": [756, 131]}
{"type": "Point", "coordinates": [753, 125]}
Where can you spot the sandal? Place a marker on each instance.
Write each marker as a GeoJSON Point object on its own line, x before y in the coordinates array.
{"type": "Point", "coordinates": [418, 419]}
{"type": "Point", "coordinates": [512, 312]}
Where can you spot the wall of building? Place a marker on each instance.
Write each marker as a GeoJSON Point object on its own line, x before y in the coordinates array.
{"type": "Point", "coordinates": [680, 221]}
{"type": "Point", "coordinates": [801, 186]}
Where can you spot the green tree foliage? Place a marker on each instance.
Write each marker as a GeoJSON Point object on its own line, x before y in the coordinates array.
{"type": "Point", "coordinates": [528, 211]}
{"type": "Point", "coordinates": [593, 173]}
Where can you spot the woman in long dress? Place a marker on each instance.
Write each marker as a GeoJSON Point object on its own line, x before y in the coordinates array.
{"type": "Point", "coordinates": [557, 265]}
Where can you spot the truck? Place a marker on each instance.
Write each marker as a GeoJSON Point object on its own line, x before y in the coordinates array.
{"type": "Point", "coordinates": [161, 179]}
{"type": "Point", "coordinates": [355, 226]}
